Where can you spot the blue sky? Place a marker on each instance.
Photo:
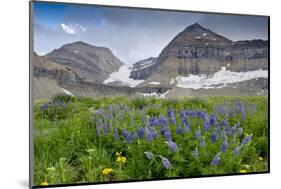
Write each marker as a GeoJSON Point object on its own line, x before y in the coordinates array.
{"type": "Point", "coordinates": [132, 34]}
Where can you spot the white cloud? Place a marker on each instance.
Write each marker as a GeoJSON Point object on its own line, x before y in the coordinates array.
{"type": "Point", "coordinates": [68, 28]}
{"type": "Point", "coordinates": [73, 29]}
{"type": "Point", "coordinates": [83, 28]}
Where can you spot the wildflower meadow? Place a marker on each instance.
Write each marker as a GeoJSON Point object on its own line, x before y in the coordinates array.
{"type": "Point", "coordinates": [85, 140]}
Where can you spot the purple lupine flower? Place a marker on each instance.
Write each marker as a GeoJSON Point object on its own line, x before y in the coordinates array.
{"type": "Point", "coordinates": [236, 151]}
{"type": "Point", "coordinates": [213, 120]}
{"type": "Point", "coordinates": [148, 155]}
{"type": "Point", "coordinates": [172, 119]}
{"type": "Point", "coordinates": [99, 121]}
{"type": "Point", "coordinates": [166, 163]}
{"type": "Point", "coordinates": [232, 111]}
{"type": "Point", "coordinates": [216, 160]}
{"type": "Point", "coordinates": [127, 136]}
{"type": "Point", "coordinates": [197, 133]}
{"type": "Point", "coordinates": [173, 146]}
{"type": "Point", "coordinates": [186, 127]}
{"type": "Point", "coordinates": [206, 125]}
{"type": "Point", "coordinates": [244, 115]}
{"type": "Point", "coordinates": [247, 139]}
{"type": "Point", "coordinates": [116, 135]}
{"type": "Point", "coordinates": [224, 146]}
{"type": "Point", "coordinates": [222, 110]}
{"type": "Point", "coordinates": [224, 123]}
{"type": "Point", "coordinates": [201, 114]}
{"type": "Point", "coordinates": [152, 121]}
{"type": "Point", "coordinates": [214, 137]}
{"type": "Point", "coordinates": [240, 131]}
{"type": "Point", "coordinates": [202, 143]}
{"type": "Point", "coordinates": [105, 129]}
{"type": "Point", "coordinates": [101, 111]}
{"type": "Point", "coordinates": [163, 121]}
{"type": "Point", "coordinates": [154, 134]}
{"type": "Point", "coordinates": [163, 130]}
{"type": "Point", "coordinates": [141, 132]}
{"type": "Point", "coordinates": [135, 136]}
{"type": "Point", "coordinates": [179, 130]}
{"type": "Point", "coordinates": [44, 106]}
{"type": "Point", "coordinates": [148, 135]}
{"type": "Point", "coordinates": [233, 129]}
{"type": "Point", "coordinates": [239, 106]}
{"type": "Point", "coordinates": [223, 135]}
{"type": "Point", "coordinates": [195, 153]}
{"type": "Point", "coordinates": [170, 111]}
{"type": "Point", "coordinates": [167, 135]}
{"type": "Point", "coordinates": [109, 116]}
{"type": "Point", "coordinates": [183, 117]}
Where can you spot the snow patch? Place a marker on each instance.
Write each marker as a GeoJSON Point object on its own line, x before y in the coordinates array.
{"type": "Point", "coordinates": [156, 95]}
{"type": "Point", "coordinates": [164, 94]}
{"type": "Point", "coordinates": [145, 64]}
{"type": "Point", "coordinates": [66, 92]}
{"type": "Point", "coordinates": [197, 37]}
{"type": "Point", "coordinates": [220, 78]}
{"type": "Point", "coordinates": [76, 51]}
{"type": "Point", "coordinates": [172, 81]}
{"type": "Point", "coordinates": [123, 76]}
{"type": "Point", "coordinates": [154, 83]}
{"type": "Point", "coordinates": [204, 34]}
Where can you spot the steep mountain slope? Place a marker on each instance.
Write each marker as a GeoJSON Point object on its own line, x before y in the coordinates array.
{"type": "Point", "coordinates": [89, 62]}
{"type": "Point", "coordinates": [49, 77]}
{"type": "Point", "coordinates": [197, 50]}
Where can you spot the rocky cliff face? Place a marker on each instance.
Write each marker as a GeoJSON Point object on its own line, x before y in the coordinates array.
{"type": "Point", "coordinates": [45, 68]}
{"type": "Point", "coordinates": [143, 68]}
{"type": "Point", "coordinates": [89, 62]}
{"type": "Point", "coordinates": [197, 50]}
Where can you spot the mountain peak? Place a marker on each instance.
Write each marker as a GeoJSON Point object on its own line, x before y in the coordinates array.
{"type": "Point", "coordinates": [195, 27]}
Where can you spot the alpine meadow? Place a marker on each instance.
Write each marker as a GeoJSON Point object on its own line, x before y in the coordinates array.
{"type": "Point", "coordinates": [126, 94]}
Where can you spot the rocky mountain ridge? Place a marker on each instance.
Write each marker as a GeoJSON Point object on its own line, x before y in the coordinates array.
{"type": "Point", "coordinates": [196, 62]}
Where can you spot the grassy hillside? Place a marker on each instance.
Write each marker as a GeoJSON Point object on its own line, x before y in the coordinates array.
{"type": "Point", "coordinates": [111, 139]}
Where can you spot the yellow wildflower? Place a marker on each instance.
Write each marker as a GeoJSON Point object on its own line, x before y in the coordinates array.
{"type": "Point", "coordinates": [118, 154]}
{"type": "Point", "coordinates": [121, 159]}
{"type": "Point", "coordinates": [45, 183]}
{"type": "Point", "coordinates": [107, 171]}
{"type": "Point", "coordinates": [260, 158]}
{"type": "Point", "coordinates": [243, 171]}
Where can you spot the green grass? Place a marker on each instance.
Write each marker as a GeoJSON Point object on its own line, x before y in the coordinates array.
{"type": "Point", "coordinates": [68, 148]}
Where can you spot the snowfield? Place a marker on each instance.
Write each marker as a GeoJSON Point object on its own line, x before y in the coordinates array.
{"type": "Point", "coordinates": [220, 78]}
{"type": "Point", "coordinates": [123, 76]}
{"type": "Point", "coordinates": [66, 92]}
